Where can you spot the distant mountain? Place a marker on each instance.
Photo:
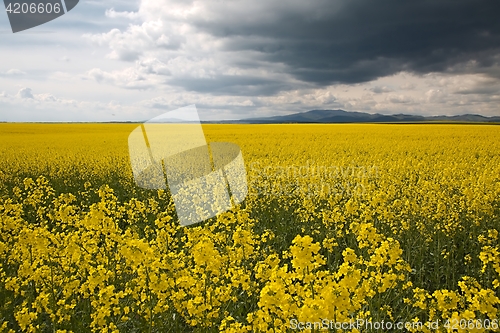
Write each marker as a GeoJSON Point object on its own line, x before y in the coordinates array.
{"type": "Point", "coordinates": [341, 116]}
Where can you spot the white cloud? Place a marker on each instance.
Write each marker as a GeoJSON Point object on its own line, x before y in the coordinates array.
{"type": "Point", "coordinates": [13, 73]}
{"type": "Point", "coordinates": [381, 89]}
{"type": "Point", "coordinates": [154, 66]}
{"type": "Point", "coordinates": [25, 93]}
{"type": "Point", "coordinates": [137, 40]}
{"type": "Point", "coordinates": [111, 13]}
{"type": "Point", "coordinates": [45, 106]}
{"type": "Point", "coordinates": [144, 74]}
{"type": "Point", "coordinates": [408, 86]}
{"type": "Point", "coordinates": [399, 99]}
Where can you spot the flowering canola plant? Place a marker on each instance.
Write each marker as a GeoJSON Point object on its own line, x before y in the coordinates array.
{"type": "Point", "coordinates": [393, 223]}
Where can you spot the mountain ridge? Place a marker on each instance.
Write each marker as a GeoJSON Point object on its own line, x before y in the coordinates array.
{"type": "Point", "coordinates": [341, 116]}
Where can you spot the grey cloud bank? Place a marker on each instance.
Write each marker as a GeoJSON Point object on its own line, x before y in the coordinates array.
{"type": "Point", "coordinates": [241, 58]}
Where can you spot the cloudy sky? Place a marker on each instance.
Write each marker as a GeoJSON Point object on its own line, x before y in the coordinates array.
{"type": "Point", "coordinates": [135, 59]}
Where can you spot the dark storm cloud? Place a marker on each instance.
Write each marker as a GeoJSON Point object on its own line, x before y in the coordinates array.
{"type": "Point", "coordinates": [354, 41]}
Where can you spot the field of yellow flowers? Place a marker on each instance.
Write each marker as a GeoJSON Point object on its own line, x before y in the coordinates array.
{"type": "Point", "coordinates": [347, 228]}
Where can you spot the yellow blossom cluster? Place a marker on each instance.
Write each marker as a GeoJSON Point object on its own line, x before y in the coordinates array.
{"type": "Point", "coordinates": [379, 223]}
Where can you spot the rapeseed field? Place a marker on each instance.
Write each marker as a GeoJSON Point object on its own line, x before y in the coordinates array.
{"type": "Point", "coordinates": [345, 228]}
